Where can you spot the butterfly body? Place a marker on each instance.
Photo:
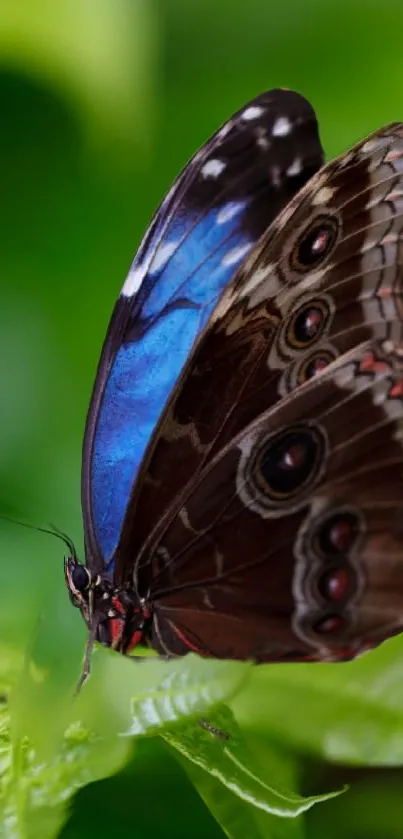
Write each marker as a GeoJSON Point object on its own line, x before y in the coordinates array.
{"type": "Point", "coordinates": [242, 468]}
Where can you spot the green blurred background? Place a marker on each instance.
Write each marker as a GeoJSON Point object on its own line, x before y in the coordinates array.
{"type": "Point", "coordinates": [102, 102]}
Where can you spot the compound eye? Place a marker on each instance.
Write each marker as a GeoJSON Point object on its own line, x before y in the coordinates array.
{"type": "Point", "coordinates": [80, 578]}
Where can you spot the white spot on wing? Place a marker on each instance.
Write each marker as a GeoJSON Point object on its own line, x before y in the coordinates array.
{"type": "Point", "coordinates": [253, 112]}
{"type": "Point", "coordinates": [133, 280]}
{"type": "Point", "coordinates": [228, 211]}
{"type": "Point", "coordinates": [295, 168]}
{"type": "Point", "coordinates": [235, 255]}
{"type": "Point", "coordinates": [371, 145]}
{"type": "Point", "coordinates": [164, 252]}
{"type": "Point", "coordinates": [254, 281]}
{"type": "Point", "coordinates": [213, 168]}
{"type": "Point", "coordinates": [137, 273]}
{"type": "Point", "coordinates": [323, 195]}
{"type": "Point", "coordinates": [275, 174]}
{"type": "Point", "coordinates": [261, 139]}
{"type": "Point", "coordinates": [269, 286]}
{"type": "Point", "coordinates": [281, 127]}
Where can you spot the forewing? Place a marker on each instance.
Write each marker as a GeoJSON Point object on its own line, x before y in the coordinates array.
{"type": "Point", "coordinates": [220, 205]}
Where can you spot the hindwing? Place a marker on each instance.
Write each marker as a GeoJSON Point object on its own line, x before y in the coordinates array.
{"type": "Point", "coordinates": [289, 544]}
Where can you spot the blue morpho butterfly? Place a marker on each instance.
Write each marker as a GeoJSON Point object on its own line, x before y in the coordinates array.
{"type": "Point", "coordinates": [242, 477]}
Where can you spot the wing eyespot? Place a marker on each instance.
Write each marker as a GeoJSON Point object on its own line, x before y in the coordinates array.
{"type": "Point", "coordinates": [315, 243]}
{"type": "Point", "coordinates": [330, 578]}
{"type": "Point", "coordinates": [308, 323]}
{"type": "Point", "coordinates": [332, 624]}
{"type": "Point", "coordinates": [313, 365]}
{"type": "Point", "coordinates": [289, 462]}
{"type": "Point", "coordinates": [335, 584]}
{"type": "Point", "coordinates": [337, 534]}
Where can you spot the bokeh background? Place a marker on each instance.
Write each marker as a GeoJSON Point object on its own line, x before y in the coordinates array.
{"type": "Point", "coordinates": [102, 102]}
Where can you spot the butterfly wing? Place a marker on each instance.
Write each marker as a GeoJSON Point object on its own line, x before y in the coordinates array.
{"type": "Point", "coordinates": [326, 276]}
{"type": "Point", "coordinates": [217, 209]}
{"type": "Point", "coordinates": [290, 542]}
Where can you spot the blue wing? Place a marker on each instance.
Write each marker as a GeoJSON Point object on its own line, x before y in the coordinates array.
{"type": "Point", "coordinates": [217, 209]}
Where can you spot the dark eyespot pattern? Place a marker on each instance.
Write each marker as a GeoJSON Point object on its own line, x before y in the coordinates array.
{"type": "Point", "coordinates": [334, 538]}
{"type": "Point", "coordinates": [330, 625]}
{"type": "Point", "coordinates": [80, 577]}
{"type": "Point", "coordinates": [313, 365]}
{"type": "Point", "coordinates": [338, 533]}
{"type": "Point", "coordinates": [308, 323]}
{"type": "Point", "coordinates": [290, 460]}
{"type": "Point", "coordinates": [316, 365]}
{"type": "Point", "coordinates": [335, 584]}
{"type": "Point", "coordinates": [315, 243]}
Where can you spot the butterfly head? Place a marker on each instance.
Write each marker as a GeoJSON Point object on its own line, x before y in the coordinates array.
{"type": "Point", "coordinates": [81, 585]}
{"type": "Point", "coordinates": [115, 617]}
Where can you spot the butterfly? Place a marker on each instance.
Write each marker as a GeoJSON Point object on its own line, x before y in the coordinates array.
{"type": "Point", "coordinates": [242, 476]}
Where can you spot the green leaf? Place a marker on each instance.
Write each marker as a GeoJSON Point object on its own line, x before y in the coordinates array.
{"type": "Point", "coordinates": [236, 817]}
{"type": "Point", "coordinates": [228, 761]}
{"type": "Point", "coordinates": [349, 712]}
{"type": "Point", "coordinates": [42, 771]}
{"type": "Point", "coordinates": [150, 694]}
{"type": "Point", "coordinates": [34, 793]}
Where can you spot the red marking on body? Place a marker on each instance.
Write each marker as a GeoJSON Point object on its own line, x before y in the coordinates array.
{"type": "Point", "coordinates": [134, 640]}
{"type": "Point", "coordinates": [118, 606]}
{"type": "Point", "coordinates": [116, 627]}
{"type": "Point", "coordinates": [396, 391]}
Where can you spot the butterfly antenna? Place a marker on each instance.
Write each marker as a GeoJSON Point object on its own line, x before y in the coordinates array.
{"type": "Point", "coordinates": [51, 530]}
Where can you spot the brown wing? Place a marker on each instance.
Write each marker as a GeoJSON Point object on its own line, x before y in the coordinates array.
{"type": "Point", "coordinates": [290, 543]}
